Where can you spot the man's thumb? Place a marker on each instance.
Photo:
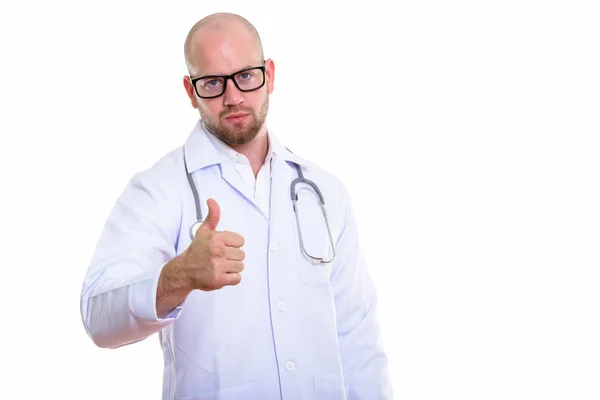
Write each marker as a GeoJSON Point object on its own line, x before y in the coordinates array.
{"type": "Point", "coordinates": [213, 217]}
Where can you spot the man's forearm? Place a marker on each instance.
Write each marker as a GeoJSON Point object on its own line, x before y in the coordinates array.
{"type": "Point", "coordinates": [172, 288]}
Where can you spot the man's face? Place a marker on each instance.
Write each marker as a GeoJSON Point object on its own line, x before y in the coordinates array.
{"type": "Point", "coordinates": [235, 117]}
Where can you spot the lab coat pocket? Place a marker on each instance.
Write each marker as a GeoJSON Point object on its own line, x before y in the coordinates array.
{"type": "Point", "coordinates": [315, 275]}
{"type": "Point", "coordinates": [329, 387]}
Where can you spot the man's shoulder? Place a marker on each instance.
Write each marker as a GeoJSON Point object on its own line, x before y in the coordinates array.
{"type": "Point", "coordinates": [328, 182]}
{"type": "Point", "coordinates": [166, 169]}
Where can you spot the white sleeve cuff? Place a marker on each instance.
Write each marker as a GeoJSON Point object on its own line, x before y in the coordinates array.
{"type": "Point", "coordinates": [143, 298]}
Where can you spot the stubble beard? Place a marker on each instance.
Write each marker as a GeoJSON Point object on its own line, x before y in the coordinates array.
{"type": "Point", "coordinates": [239, 133]}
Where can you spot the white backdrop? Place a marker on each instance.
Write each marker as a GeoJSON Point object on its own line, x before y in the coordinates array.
{"type": "Point", "coordinates": [466, 132]}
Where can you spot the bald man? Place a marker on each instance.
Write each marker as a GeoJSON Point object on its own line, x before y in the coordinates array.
{"type": "Point", "coordinates": [224, 249]}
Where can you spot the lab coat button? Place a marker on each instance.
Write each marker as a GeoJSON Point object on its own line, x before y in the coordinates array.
{"type": "Point", "coordinates": [290, 366]}
{"type": "Point", "coordinates": [273, 246]}
{"type": "Point", "coordinates": [281, 305]}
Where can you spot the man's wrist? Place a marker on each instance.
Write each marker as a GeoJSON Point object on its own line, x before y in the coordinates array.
{"type": "Point", "coordinates": [173, 287]}
{"type": "Point", "coordinates": [175, 275]}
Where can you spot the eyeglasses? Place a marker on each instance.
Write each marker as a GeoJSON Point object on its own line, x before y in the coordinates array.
{"type": "Point", "coordinates": [246, 80]}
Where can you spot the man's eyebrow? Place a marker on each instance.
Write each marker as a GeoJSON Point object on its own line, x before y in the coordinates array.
{"type": "Point", "coordinates": [248, 66]}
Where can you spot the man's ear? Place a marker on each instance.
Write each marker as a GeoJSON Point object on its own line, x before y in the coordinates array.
{"type": "Point", "coordinates": [270, 72]}
{"type": "Point", "coordinates": [189, 89]}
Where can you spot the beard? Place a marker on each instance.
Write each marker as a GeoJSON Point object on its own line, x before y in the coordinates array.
{"type": "Point", "coordinates": [242, 132]}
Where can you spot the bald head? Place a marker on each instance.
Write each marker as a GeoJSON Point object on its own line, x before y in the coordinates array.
{"type": "Point", "coordinates": [208, 37]}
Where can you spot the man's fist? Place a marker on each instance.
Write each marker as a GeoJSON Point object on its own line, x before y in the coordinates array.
{"type": "Point", "coordinates": [214, 259]}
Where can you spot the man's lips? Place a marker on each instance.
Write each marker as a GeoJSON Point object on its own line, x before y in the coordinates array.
{"type": "Point", "coordinates": [238, 117]}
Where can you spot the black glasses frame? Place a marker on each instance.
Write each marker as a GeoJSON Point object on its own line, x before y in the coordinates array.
{"type": "Point", "coordinates": [226, 78]}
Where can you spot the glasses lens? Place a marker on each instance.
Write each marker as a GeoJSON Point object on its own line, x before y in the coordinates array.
{"type": "Point", "coordinates": [250, 79]}
{"type": "Point", "coordinates": [208, 87]}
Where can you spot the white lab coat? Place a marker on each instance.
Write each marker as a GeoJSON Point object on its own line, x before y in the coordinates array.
{"type": "Point", "coordinates": [292, 329]}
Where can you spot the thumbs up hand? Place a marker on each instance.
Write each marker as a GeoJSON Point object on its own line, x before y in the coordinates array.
{"type": "Point", "coordinates": [214, 258]}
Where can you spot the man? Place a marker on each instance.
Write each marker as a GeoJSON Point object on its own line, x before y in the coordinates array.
{"type": "Point", "coordinates": [262, 303]}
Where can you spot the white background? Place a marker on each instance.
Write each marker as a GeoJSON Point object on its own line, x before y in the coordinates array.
{"type": "Point", "coordinates": [466, 132]}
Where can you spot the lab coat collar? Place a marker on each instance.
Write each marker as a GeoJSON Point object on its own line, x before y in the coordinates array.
{"type": "Point", "coordinates": [200, 152]}
{"type": "Point", "coordinates": [284, 154]}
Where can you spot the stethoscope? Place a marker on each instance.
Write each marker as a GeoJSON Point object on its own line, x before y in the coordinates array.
{"type": "Point", "coordinates": [294, 194]}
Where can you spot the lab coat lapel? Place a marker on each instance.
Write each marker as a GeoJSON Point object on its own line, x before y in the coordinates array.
{"type": "Point", "coordinates": [281, 202]}
{"type": "Point", "coordinates": [228, 171]}
{"type": "Point", "coordinates": [233, 178]}
{"type": "Point", "coordinates": [281, 222]}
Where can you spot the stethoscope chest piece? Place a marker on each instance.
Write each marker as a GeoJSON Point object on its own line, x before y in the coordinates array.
{"type": "Point", "coordinates": [194, 228]}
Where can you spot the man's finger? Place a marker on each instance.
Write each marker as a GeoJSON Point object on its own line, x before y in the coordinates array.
{"type": "Point", "coordinates": [234, 253]}
{"type": "Point", "coordinates": [234, 267]}
{"type": "Point", "coordinates": [233, 239]}
{"type": "Point", "coordinates": [232, 279]}
{"type": "Point", "coordinates": [213, 217]}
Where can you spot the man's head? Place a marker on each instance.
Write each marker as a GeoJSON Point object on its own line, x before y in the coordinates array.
{"type": "Point", "coordinates": [224, 44]}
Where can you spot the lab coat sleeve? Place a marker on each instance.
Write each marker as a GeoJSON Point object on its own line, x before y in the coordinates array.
{"type": "Point", "coordinates": [118, 297]}
{"type": "Point", "coordinates": [364, 362]}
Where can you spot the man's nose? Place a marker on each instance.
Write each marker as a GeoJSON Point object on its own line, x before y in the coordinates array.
{"type": "Point", "coordinates": [232, 95]}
